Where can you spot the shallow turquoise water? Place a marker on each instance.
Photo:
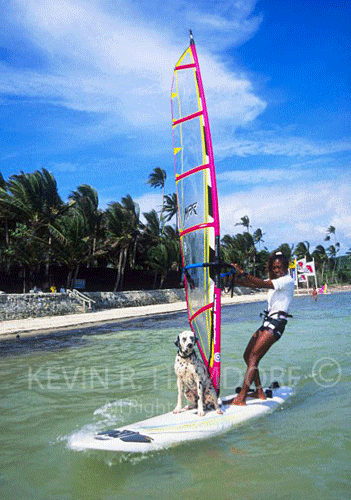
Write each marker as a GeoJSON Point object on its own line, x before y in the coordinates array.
{"type": "Point", "coordinates": [116, 374]}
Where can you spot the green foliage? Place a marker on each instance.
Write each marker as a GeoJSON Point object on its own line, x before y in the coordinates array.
{"type": "Point", "coordinates": [241, 248]}
{"type": "Point", "coordinates": [37, 229]}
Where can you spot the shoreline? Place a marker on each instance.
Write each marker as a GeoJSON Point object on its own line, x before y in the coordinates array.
{"type": "Point", "coordinates": [41, 326]}
{"type": "Point", "coordinates": [30, 327]}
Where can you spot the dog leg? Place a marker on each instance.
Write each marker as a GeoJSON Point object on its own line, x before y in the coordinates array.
{"type": "Point", "coordinates": [215, 402]}
{"type": "Point", "coordinates": [178, 408]}
{"type": "Point", "coordinates": [211, 399]}
{"type": "Point", "coordinates": [191, 396]}
{"type": "Point", "coordinates": [200, 402]}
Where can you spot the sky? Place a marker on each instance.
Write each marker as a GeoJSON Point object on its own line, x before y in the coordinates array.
{"type": "Point", "coordinates": [85, 93]}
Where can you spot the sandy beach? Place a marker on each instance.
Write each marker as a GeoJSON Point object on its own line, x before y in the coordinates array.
{"type": "Point", "coordinates": [41, 326]}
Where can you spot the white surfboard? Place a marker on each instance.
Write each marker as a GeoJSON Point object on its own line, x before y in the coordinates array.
{"type": "Point", "coordinates": [170, 429]}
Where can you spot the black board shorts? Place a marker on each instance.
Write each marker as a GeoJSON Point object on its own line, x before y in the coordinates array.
{"type": "Point", "coordinates": [277, 325]}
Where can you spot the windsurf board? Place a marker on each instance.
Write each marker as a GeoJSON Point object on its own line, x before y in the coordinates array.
{"type": "Point", "coordinates": [171, 429]}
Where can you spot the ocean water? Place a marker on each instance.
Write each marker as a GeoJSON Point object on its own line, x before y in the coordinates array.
{"type": "Point", "coordinates": [113, 374]}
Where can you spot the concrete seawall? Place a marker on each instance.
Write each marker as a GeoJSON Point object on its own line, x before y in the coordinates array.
{"type": "Point", "coordinates": [33, 326]}
{"type": "Point", "coordinates": [36, 305]}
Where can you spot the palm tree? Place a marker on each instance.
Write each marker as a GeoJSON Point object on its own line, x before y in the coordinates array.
{"type": "Point", "coordinates": [302, 250]}
{"type": "Point", "coordinates": [123, 230]}
{"type": "Point", "coordinates": [70, 243]}
{"type": "Point", "coordinates": [258, 236]}
{"type": "Point", "coordinates": [26, 250]}
{"type": "Point", "coordinates": [239, 248]}
{"type": "Point", "coordinates": [245, 221]}
{"type": "Point", "coordinates": [156, 179]}
{"type": "Point", "coordinates": [332, 231]}
{"type": "Point", "coordinates": [229, 250]}
{"type": "Point", "coordinates": [3, 218]}
{"type": "Point", "coordinates": [321, 258]}
{"type": "Point", "coordinates": [287, 250]}
{"type": "Point", "coordinates": [171, 207]}
{"type": "Point", "coordinates": [171, 236]}
{"type": "Point", "coordinates": [86, 200]}
{"type": "Point", "coordinates": [2, 182]}
{"type": "Point", "coordinates": [250, 252]}
{"type": "Point", "coordinates": [165, 256]}
{"type": "Point", "coordinates": [163, 245]}
{"type": "Point", "coordinates": [133, 209]}
{"type": "Point", "coordinates": [32, 200]}
{"type": "Point", "coordinates": [332, 253]}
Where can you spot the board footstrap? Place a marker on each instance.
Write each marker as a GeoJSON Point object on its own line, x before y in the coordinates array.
{"type": "Point", "coordinates": [125, 435]}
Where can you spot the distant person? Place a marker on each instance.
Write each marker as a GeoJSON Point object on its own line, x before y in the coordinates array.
{"type": "Point", "coordinates": [281, 291]}
{"type": "Point", "coordinates": [314, 294]}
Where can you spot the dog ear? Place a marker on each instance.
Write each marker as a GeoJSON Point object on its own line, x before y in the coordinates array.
{"type": "Point", "coordinates": [177, 341]}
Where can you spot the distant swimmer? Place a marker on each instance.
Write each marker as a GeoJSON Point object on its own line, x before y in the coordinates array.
{"type": "Point", "coordinates": [281, 292]}
{"type": "Point", "coordinates": [314, 294]}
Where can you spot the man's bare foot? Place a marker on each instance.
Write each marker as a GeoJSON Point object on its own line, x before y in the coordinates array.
{"type": "Point", "coordinates": [238, 401]}
{"type": "Point", "coordinates": [258, 394]}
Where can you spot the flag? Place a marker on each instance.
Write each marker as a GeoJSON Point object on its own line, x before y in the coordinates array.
{"type": "Point", "coordinates": [306, 267]}
{"type": "Point", "coordinates": [300, 265]}
{"type": "Point", "coordinates": [310, 269]}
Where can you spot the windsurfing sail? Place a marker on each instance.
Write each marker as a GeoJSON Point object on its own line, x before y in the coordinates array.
{"type": "Point", "coordinates": [197, 207]}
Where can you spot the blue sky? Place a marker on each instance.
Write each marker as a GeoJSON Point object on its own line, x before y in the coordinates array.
{"type": "Point", "coordinates": [85, 93]}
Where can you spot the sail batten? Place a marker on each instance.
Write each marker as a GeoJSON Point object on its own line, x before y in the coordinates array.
{"type": "Point", "coordinates": [190, 172]}
{"type": "Point", "coordinates": [196, 228]}
{"type": "Point", "coordinates": [185, 66]}
{"type": "Point", "coordinates": [187, 118]}
{"type": "Point", "coordinates": [197, 207]}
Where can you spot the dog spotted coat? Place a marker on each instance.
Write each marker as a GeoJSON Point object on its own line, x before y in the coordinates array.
{"type": "Point", "coordinates": [192, 377]}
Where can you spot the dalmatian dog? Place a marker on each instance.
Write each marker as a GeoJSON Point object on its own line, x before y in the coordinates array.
{"type": "Point", "coordinates": [192, 377]}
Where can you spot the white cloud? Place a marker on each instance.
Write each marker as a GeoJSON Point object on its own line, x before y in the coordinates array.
{"type": "Point", "coordinates": [262, 175]}
{"type": "Point", "coordinates": [264, 144]}
{"type": "Point", "coordinates": [149, 201]}
{"type": "Point", "coordinates": [110, 63]}
{"type": "Point", "coordinates": [65, 167]}
{"type": "Point", "coordinates": [118, 63]}
{"type": "Point", "coordinates": [232, 18]}
{"type": "Point", "coordinates": [293, 212]}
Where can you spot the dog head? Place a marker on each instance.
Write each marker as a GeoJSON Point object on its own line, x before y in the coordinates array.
{"type": "Point", "coordinates": [186, 342]}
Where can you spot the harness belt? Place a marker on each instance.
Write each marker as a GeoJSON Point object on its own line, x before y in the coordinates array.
{"type": "Point", "coordinates": [280, 315]}
{"type": "Point", "coordinates": [277, 325]}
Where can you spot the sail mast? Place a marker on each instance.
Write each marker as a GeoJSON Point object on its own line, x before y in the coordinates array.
{"type": "Point", "coordinates": [198, 207]}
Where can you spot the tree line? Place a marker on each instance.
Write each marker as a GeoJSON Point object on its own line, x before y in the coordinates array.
{"type": "Point", "coordinates": [245, 248]}
{"type": "Point", "coordinates": [39, 230]}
